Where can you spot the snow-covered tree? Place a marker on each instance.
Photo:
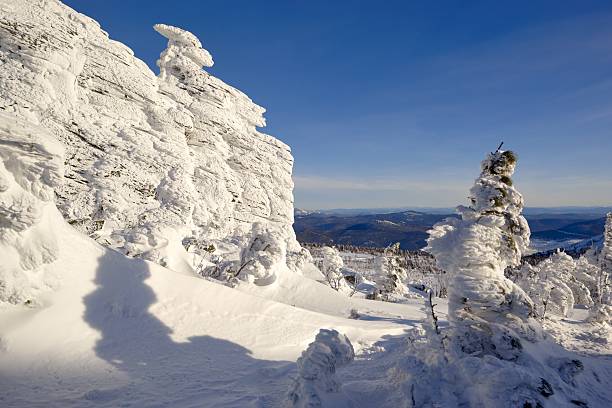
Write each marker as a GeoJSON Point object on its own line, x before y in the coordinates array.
{"type": "Point", "coordinates": [547, 289]}
{"type": "Point", "coordinates": [587, 273]}
{"type": "Point", "coordinates": [475, 249]}
{"type": "Point", "coordinates": [262, 254]}
{"type": "Point", "coordinates": [331, 265]}
{"type": "Point", "coordinates": [265, 251]}
{"type": "Point", "coordinates": [391, 277]}
{"type": "Point", "coordinates": [491, 317]}
{"type": "Point", "coordinates": [553, 285]}
{"type": "Point", "coordinates": [604, 278]}
{"type": "Point", "coordinates": [602, 312]}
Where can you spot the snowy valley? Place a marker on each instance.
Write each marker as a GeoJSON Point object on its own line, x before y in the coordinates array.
{"type": "Point", "coordinates": [148, 256]}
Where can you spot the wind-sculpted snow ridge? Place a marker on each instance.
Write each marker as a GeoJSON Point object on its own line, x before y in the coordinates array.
{"type": "Point", "coordinates": [317, 380]}
{"type": "Point", "coordinates": [169, 168]}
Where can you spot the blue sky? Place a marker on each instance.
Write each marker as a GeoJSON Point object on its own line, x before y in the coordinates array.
{"type": "Point", "coordinates": [394, 103]}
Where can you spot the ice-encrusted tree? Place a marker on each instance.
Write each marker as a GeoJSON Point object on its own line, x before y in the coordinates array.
{"type": "Point", "coordinates": [553, 285]}
{"type": "Point", "coordinates": [605, 257]}
{"type": "Point", "coordinates": [602, 312]}
{"type": "Point", "coordinates": [331, 265]}
{"type": "Point", "coordinates": [491, 318]}
{"type": "Point", "coordinates": [485, 307]}
{"type": "Point", "coordinates": [392, 274]}
{"type": "Point", "coordinates": [264, 253]}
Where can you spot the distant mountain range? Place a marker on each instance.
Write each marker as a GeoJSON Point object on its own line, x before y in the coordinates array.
{"type": "Point", "coordinates": [551, 227]}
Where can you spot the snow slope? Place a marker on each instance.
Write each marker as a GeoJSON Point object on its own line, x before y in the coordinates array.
{"type": "Point", "coordinates": [128, 332]}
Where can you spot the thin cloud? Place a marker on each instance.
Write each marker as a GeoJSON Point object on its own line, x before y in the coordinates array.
{"type": "Point", "coordinates": [327, 183]}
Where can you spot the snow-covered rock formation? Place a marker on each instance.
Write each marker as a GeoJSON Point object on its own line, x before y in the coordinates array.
{"type": "Point", "coordinates": [154, 166]}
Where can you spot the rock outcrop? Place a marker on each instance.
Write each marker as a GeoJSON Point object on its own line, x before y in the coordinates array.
{"type": "Point", "coordinates": [155, 166]}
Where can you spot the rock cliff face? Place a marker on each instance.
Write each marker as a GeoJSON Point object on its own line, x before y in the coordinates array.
{"type": "Point", "coordinates": [154, 166]}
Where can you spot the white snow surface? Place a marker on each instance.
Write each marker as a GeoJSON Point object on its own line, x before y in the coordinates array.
{"type": "Point", "coordinates": [121, 331]}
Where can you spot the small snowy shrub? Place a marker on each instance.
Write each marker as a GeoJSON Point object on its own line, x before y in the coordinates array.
{"type": "Point", "coordinates": [553, 285]}
{"type": "Point", "coordinates": [331, 265]}
{"type": "Point", "coordinates": [255, 257]}
{"type": "Point", "coordinates": [392, 275]}
{"type": "Point", "coordinates": [266, 250]}
{"type": "Point", "coordinates": [601, 313]}
{"type": "Point", "coordinates": [317, 369]}
{"type": "Point", "coordinates": [296, 260]}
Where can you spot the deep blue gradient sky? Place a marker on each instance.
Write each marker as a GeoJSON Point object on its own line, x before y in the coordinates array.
{"type": "Point", "coordinates": [394, 103]}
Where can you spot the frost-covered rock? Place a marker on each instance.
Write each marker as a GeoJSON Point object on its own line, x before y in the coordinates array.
{"type": "Point", "coordinates": [317, 369]}
{"type": "Point", "coordinates": [31, 165]}
{"type": "Point", "coordinates": [150, 162]}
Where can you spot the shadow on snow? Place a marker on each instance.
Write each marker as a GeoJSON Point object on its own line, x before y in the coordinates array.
{"type": "Point", "coordinates": [204, 370]}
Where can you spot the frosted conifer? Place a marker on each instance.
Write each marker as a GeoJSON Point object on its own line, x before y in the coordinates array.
{"type": "Point", "coordinates": [475, 249]}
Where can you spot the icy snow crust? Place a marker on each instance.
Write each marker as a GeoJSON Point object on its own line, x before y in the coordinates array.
{"type": "Point", "coordinates": [156, 167]}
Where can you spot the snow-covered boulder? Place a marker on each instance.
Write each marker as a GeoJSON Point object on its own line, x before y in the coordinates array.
{"type": "Point", "coordinates": [150, 162]}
